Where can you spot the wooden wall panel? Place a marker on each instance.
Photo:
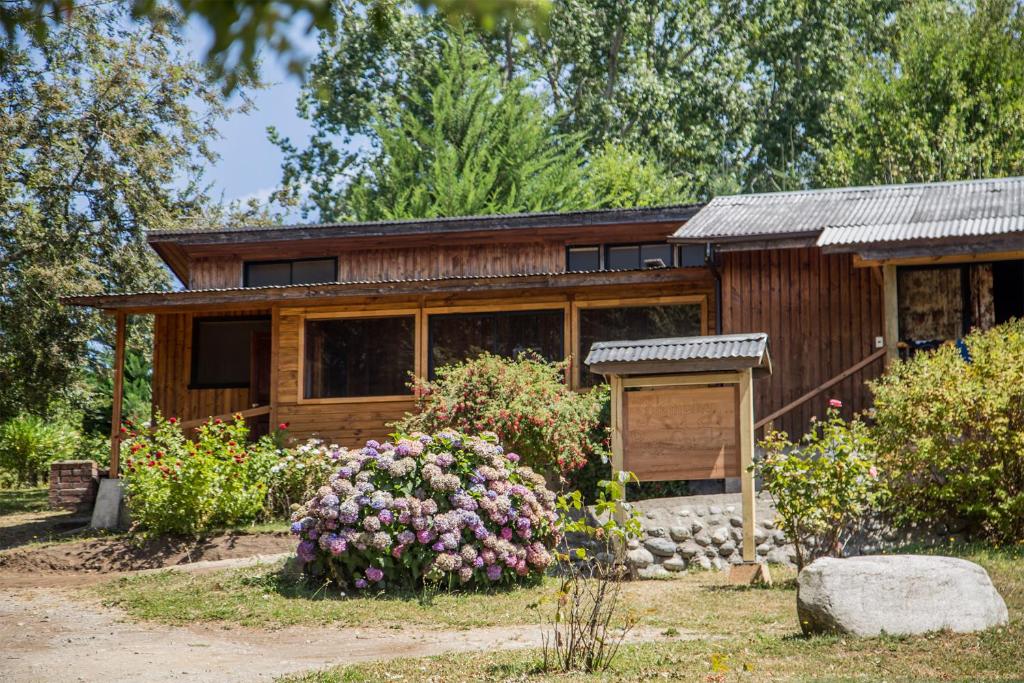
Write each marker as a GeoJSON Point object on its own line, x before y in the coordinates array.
{"type": "Point", "coordinates": [822, 316]}
{"type": "Point", "coordinates": [172, 352]}
{"type": "Point", "coordinates": [215, 273]}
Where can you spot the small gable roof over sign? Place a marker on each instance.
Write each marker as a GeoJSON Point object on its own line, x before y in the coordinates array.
{"type": "Point", "coordinates": [714, 353]}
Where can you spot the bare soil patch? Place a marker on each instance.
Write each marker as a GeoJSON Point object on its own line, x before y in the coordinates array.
{"type": "Point", "coordinates": [38, 564]}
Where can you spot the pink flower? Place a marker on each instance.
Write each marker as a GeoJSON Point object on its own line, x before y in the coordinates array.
{"type": "Point", "coordinates": [835, 403]}
{"type": "Point", "coordinates": [873, 472]}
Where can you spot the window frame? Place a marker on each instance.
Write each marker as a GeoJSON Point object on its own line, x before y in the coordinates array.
{"type": "Point", "coordinates": [564, 306]}
{"type": "Point", "coordinates": [606, 250]}
{"type": "Point", "coordinates": [600, 256]}
{"type": "Point", "coordinates": [193, 357]}
{"type": "Point", "coordinates": [291, 268]}
{"type": "Point", "coordinates": [632, 302]}
{"type": "Point", "coordinates": [300, 384]}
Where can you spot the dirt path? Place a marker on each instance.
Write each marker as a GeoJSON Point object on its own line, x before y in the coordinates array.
{"type": "Point", "coordinates": [44, 636]}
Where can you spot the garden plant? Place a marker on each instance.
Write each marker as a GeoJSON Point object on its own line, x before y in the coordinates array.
{"type": "Point", "coordinates": [177, 485]}
{"type": "Point", "coordinates": [445, 509]}
{"type": "Point", "coordinates": [950, 434]}
{"type": "Point", "coordinates": [823, 486]}
{"type": "Point", "coordinates": [525, 401]}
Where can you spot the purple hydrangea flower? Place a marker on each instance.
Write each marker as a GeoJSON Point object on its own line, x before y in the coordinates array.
{"type": "Point", "coordinates": [438, 547]}
{"type": "Point", "coordinates": [373, 444]}
{"type": "Point", "coordinates": [374, 574]}
{"type": "Point", "coordinates": [361, 583]}
{"type": "Point", "coordinates": [306, 551]}
{"type": "Point", "coordinates": [444, 460]}
{"type": "Point", "coordinates": [513, 457]}
{"type": "Point", "coordinates": [494, 572]}
{"type": "Point", "coordinates": [385, 516]}
{"type": "Point", "coordinates": [402, 450]}
{"type": "Point", "coordinates": [406, 537]}
{"type": "Point", "coordinates": [329, 501]}
{"type": "Point", "coordinates": [345, 472]}
{"type": "Point", "coordinates": [481, 532]}
{"type": "Point", "coordinates": [506, 533]}
{"type": "Point", "coordinates": [296, 527]}
{"type": "Point", "coordinates": [425, 536]}
{"type": "Point", "coordinates": [478, 562]}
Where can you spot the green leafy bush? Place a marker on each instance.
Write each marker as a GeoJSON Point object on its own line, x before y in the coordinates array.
{"type": "Point", "coordinates": [950, 434]}
{"type": "Point", "coordinates": [525, 401]}
{"type": "Point", "coordinates": [823, 486]}
{"type": "Point", "coordinates": [177, 485]}
{"type": "Point", "coordinates": [29, 443]}
{"type": "Point", "coordinates": [299, 473]}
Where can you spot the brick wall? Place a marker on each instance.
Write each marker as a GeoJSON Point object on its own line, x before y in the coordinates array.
{"type": "Point", "coordinates": [73, 485]}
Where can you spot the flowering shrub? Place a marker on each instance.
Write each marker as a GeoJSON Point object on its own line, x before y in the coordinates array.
{"type": "Point", "coordinates": [299, 472]}
{"type": "Point", "coordinates": [525, 401]}
{"type": "Point", "coordinates": [174, 485]}
{"type": "Point", "coordinates": [823, 486]}
{"type": "Point", "coordinates": [447, 508]}
{"type": "Point", "coordinates": [950, 434]}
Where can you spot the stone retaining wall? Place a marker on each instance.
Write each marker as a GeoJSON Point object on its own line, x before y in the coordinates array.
{"type": "Point", "coordinates": [706, 532]}
{"type": "Point", "coordinates": [73, 485]}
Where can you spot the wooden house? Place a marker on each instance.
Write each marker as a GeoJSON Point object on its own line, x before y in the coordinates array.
{"type": "Point", "coordinates": [320, 326]}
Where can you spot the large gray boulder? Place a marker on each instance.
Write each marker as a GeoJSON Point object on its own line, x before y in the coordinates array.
{"type": "Point", "coordinates": [898, 595]}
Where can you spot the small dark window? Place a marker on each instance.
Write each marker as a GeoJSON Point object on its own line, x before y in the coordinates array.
{"type": "Point", "coordinates": [691, 255]}
{"type": "Point", "coordinates": [583, 259]}
{"type": "Point", "coordinates": [650, 254]}
{"type": "Point", "coordinates": [349, 357]}
{"type": "Point", "coordinates": [623, 257]}
{"type": "Point", "coordinates": [222, 351]}
{"type": "Point", "coordinates": [456, 337]}
{"type": "Point", "coordinates": [299, 272]}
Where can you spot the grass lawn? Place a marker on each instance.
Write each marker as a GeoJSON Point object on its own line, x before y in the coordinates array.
{"type": "Point", "coordinates": [745, 634]}
{"type": "Point", "coordinates": [14, 501]}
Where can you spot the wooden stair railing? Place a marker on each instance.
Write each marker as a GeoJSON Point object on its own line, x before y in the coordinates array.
{"type": "Point", "coordinates": [880, 353]}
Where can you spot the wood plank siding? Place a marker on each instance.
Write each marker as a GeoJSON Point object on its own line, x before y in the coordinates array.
{"type": "Point", "coordinates": [172, 370]}
{"type": "Point", "coordinates": [821, 315]}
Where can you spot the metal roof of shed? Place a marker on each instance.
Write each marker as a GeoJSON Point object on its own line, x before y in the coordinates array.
{"type": "Point", "coordinates": [865, 215]}
{"type": "Point", "coordinates": [681, 354]}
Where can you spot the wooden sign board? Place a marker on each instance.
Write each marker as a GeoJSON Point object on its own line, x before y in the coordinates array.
{"type": "Point", "coordinates": [681, 432]}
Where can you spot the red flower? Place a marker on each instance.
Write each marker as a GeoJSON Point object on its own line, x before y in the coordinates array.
{"type": "Point", "coordinates": [217, 421]}
{"type": "Point", "coordinates": [835, 403]}
{"type": "Point", "coordinates": [283, 425]}
{"type": "Point", "coordinates": [172, 420]}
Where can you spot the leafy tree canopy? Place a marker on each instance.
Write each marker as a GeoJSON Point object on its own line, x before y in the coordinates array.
{"type": "Point", "coordinates": [105, 129]}
{"type": "Point", "coordinates": [947, 103]}
{"type": "Point", "coordinates": [243, 28]}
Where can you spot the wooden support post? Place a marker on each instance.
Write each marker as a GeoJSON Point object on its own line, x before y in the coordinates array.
{"type": "Point", "coordinates": [747, 493]}
{"type": "Point", "coordinates": [617, 455]}
{"type": "Point", "coordinates": [890, 312]}
{"type": "Point", "coordinates": [115, 413]}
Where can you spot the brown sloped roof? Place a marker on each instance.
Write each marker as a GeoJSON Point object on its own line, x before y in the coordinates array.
{"type": "Point", "coordinates": [252, 297]}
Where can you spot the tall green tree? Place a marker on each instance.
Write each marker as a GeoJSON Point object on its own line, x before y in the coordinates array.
{"type": "Point", "coordinates": [104, 128]}
{"type": "Point", "coordinates": [456, 136]}
{"type": "Point", "coordinates": [947, 103]}
{"type": "Point", "coordinates": [720, 96]}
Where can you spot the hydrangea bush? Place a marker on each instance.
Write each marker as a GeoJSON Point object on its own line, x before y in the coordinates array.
{"type": "Point", "coordinates": [299, 472]}
{"type": "Point", "coordinates": [449, 509]}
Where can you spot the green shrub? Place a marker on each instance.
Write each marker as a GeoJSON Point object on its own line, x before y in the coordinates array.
{"type": "Point", "coordinates": [525, 401]}
{"type": "Point", "coordinates": [823, 486]}
{"type": "Point", "coordinates": [177, 485]}
{"type": "Point", "coordinates": [299, 473]}
{"type": "Point", "coordinates": [950, 434]}
{"type": "Point", "coordinates": [29, 443]}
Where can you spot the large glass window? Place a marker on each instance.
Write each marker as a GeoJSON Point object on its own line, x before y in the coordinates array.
{"type": "Point", "coordinates": [633, 323]}
{"type": "Point", "coordinates": [349, 357]}
{"type": "Point", "coordinates": [222, 351]}
{"type": "Point", "coordinates": [633, 256]}
{"type": "Point", "coordinates": [299, 272]}
{"type": "Point", "coordinates": [459, 336]}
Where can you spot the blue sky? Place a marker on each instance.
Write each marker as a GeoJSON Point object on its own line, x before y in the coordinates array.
{"type": "Point", "coordinates": [249, 164]}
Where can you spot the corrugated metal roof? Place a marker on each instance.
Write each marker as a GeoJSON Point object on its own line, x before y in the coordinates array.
{"type": "Point", "coordinates": [339, 288]}
{"type": "Point", "coordinates": [726, 346]}
{"type": "Point", "coordinates": [444, 223]}
{"type": "Point", "coordinates": [862, 215]}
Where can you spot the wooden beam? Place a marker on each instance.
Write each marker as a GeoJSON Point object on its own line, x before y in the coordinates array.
{"type": "Point", "coordinates": [890, 313]}
{"type": "Point", "coordinates": [250, 412]}
{"type": "Point", "coordinates": [860, 261]}
{"type": "Point", "coordinates": [827, 385]}
{"type": "Point", "coordinates": [115, 413]}
{"type": "Point", "coordinates": [746, 436]}
{"type": "Point", "coordinates": [616, 419]}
